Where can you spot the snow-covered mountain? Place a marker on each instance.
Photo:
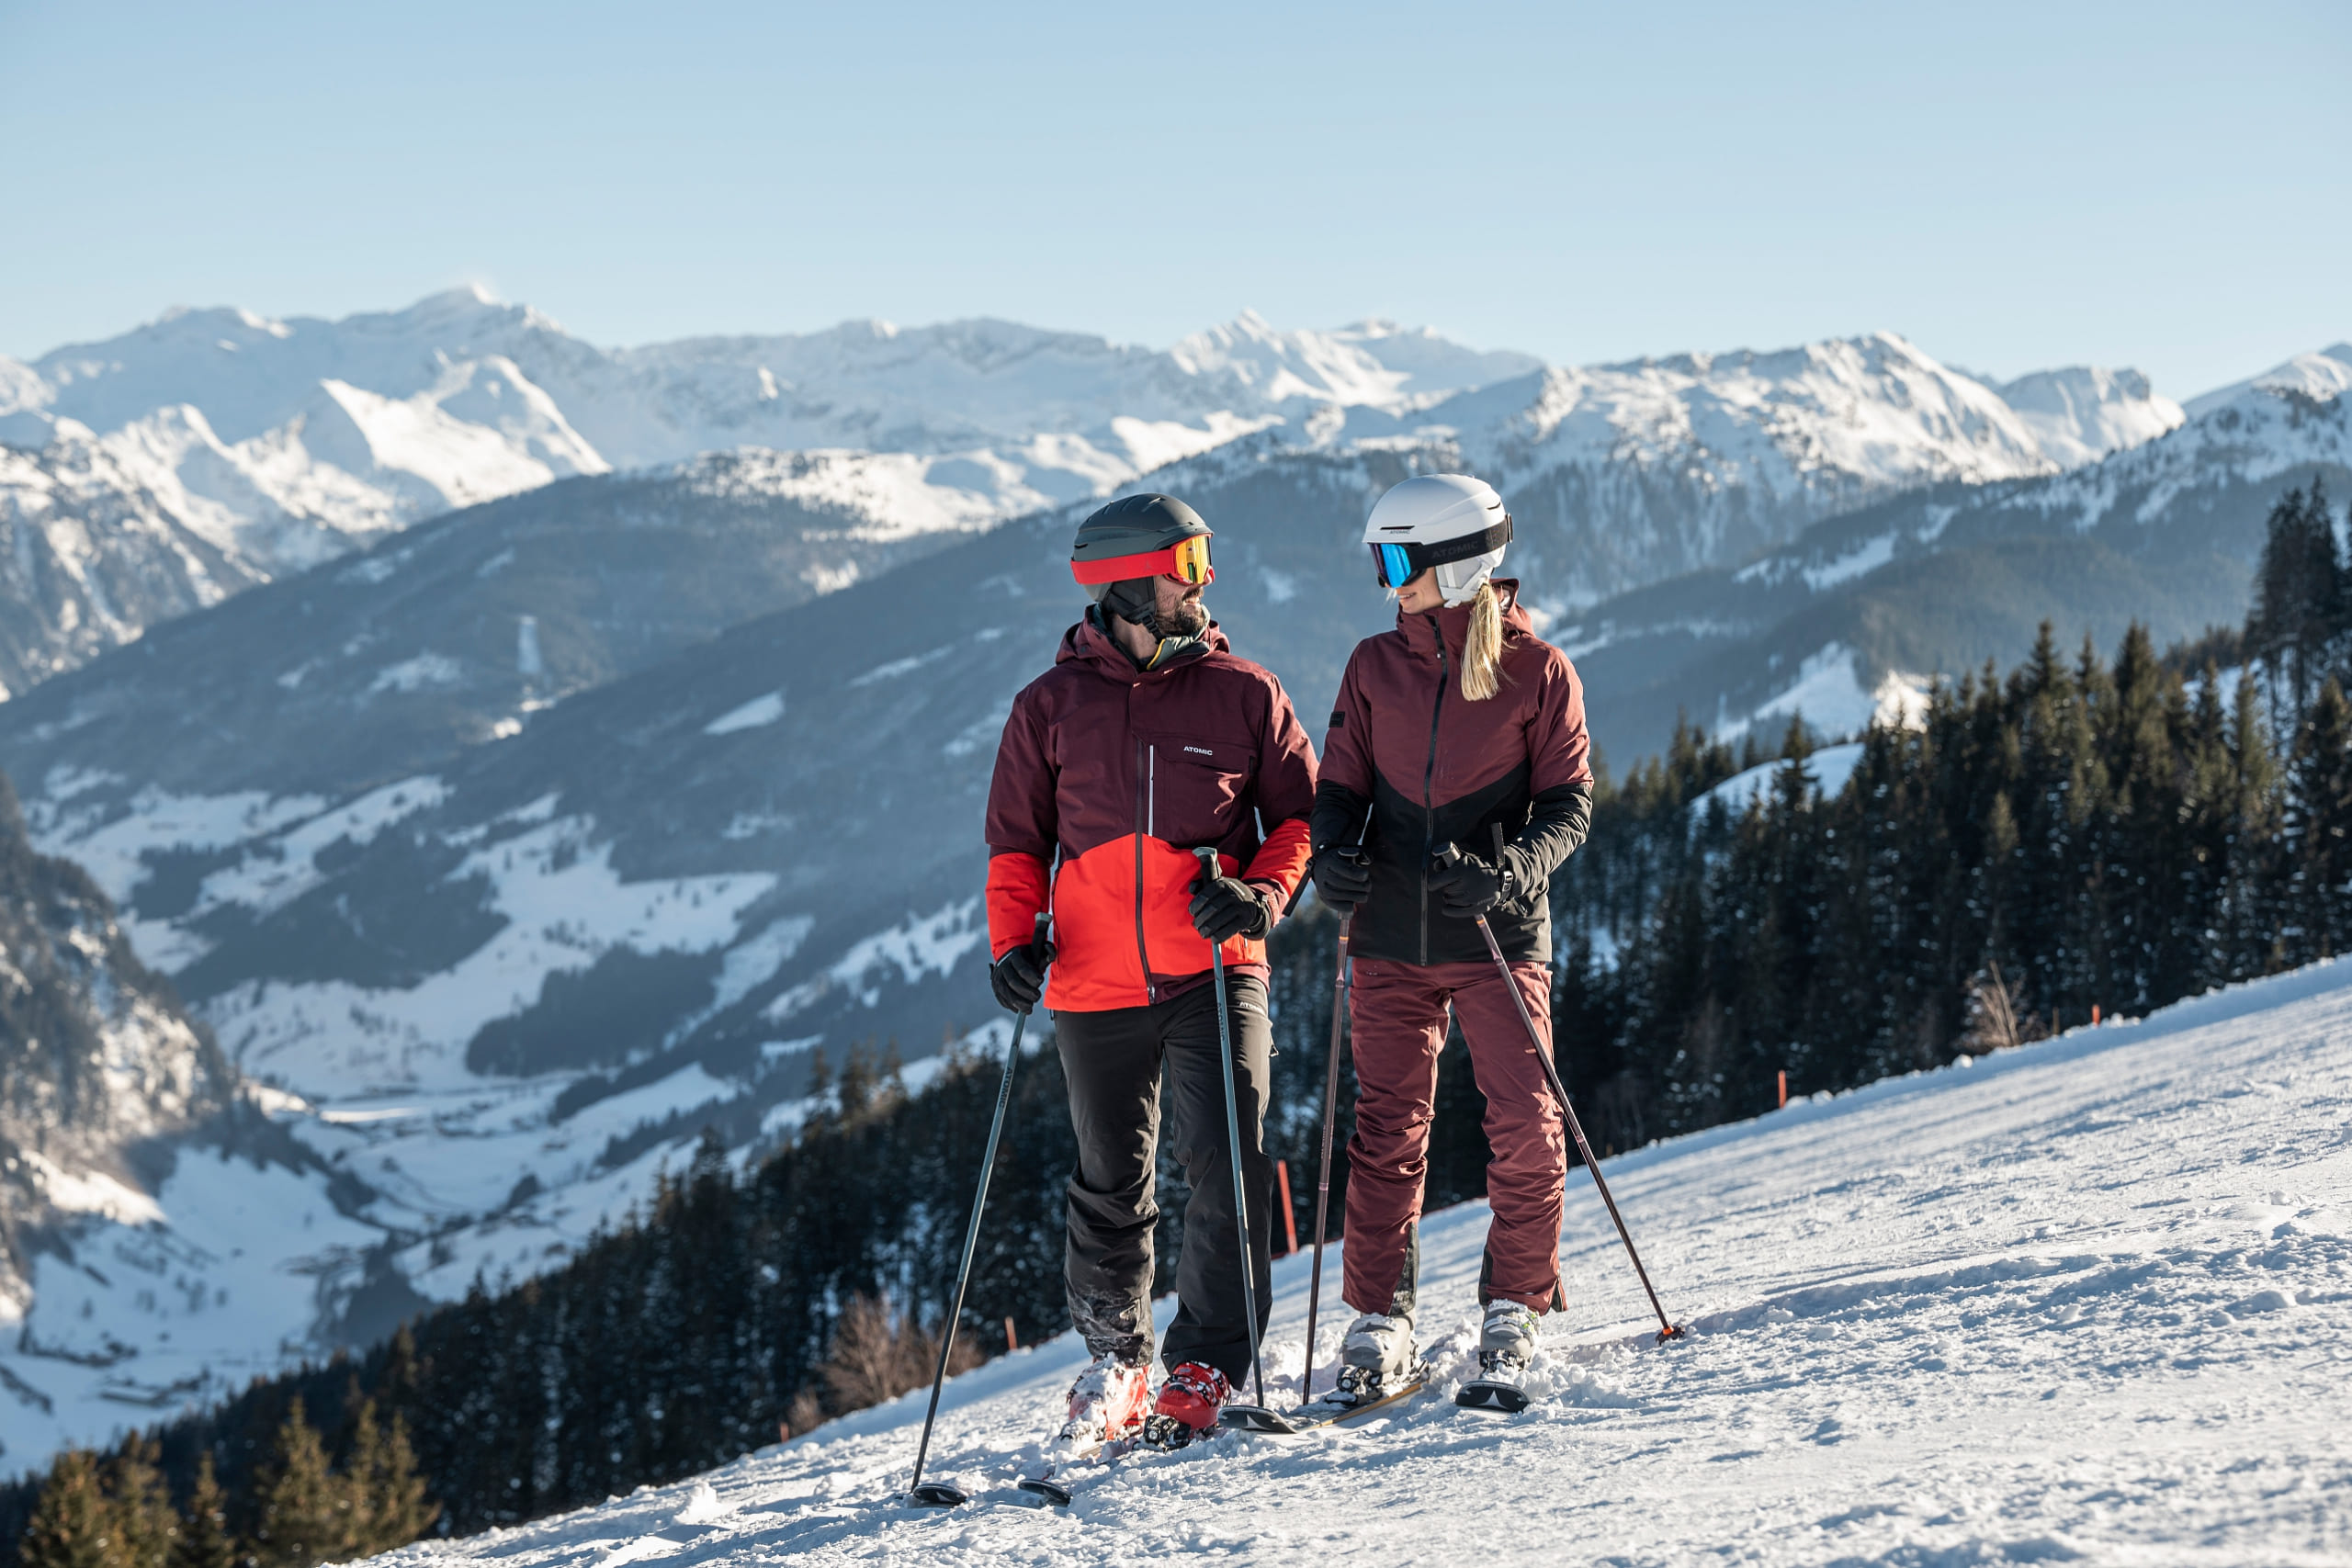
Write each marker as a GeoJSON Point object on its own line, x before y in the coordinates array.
{"type": "Point", "coordinates": [1860, 611]}
{"type": "Point", "coordinates": [2322, 374]}
{"type": "Point", "coordinates": [2082, 414]}
{"type": "Point", "coordinates": [2082, 1301]}
{"type": "Point", "coordinates": [255, 447]}
{"type": "Point", "coordinates": [159, 1239]}
{"type": "Point", "coordinates": [274, 445]}
{"type": "Point", "coordinates": [1648, 470]}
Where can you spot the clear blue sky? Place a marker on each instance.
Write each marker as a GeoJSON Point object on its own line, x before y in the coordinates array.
{"type": "Point", "coordinates": [2012, 185]}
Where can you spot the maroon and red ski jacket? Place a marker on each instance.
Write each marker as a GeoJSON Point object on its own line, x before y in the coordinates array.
{"type": "Point", "coordinates": [1126, 771]}
{"type": "Point", "coordinates": [1428, 768]}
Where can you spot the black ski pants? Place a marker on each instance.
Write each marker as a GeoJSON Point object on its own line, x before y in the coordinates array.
{"type": "Point", "coordinates": [1113, 1061]}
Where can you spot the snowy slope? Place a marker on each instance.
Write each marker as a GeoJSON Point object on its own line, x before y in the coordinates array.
{"type": "Point", "coordinates": [2087, 1300]}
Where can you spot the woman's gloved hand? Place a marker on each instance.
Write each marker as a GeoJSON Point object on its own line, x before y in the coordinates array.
{"type": "Point", "coordinates": [1226, 907]}
{"type": "Point", "coordinates": [1467, 885]}
{"type": "Point", "coordinates": [1342, 877]}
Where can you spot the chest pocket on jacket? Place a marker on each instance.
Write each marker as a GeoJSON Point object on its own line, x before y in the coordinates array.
{"type": "Point", "coordinates": [1194, 791]}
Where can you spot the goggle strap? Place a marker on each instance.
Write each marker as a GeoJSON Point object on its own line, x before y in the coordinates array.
{"type": "Point", "coordinates": [1447, 551]}
{"type": "Point", "coordinates": [1419, 558]}
{"type": "Point", "coordinates": [1150, 563]}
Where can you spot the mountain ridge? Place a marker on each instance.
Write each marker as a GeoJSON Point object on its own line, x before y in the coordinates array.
{"type": "Point", "coordinates": [281, 444]}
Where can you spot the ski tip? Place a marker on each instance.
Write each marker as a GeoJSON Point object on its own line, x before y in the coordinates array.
{"type": "Point", "coordinates": [1256, 1418]}
{"type": "Point", "coordinates": [937, 1495]}
{"type": "Point", "coordinates": [1672, 1331]}
{"type": "Point", "coordinates": [1037, 1487]}
{"type": "Point", "coordinates": [1492, 1396]}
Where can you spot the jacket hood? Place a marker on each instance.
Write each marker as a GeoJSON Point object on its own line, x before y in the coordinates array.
{"type": "Point", "coordinates": [1452, 623]}
{"type": "Point", "coordinates": [1088, 643]}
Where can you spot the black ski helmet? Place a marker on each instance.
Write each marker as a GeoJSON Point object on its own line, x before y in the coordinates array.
{"type": "Point", "coordinates": [1133, 525]}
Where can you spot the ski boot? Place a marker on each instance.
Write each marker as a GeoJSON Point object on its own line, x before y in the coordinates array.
{"type": "Point", "coordinates": [1506, 1350]}
{"type": "Point", "coordinates": [1188, 1406]}
{"type": "Point", "coordinates": [1377, 1359]}
{"type": "Point", "coordinates": [1106, 1410]}
{"type": "Point", "coordinates": [1107, 1405]}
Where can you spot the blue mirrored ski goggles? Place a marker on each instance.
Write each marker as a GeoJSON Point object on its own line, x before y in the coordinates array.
{"type": "Point", "coordinates": [1394, 565]}
{"type": "Point", "coordinates": [1399, 564]}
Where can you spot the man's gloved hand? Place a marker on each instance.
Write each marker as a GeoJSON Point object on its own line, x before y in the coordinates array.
{"type": "Point", "coordinates": [1342, 877]}
{"type": "Point", "coordinates": [1468, 886]}
{"type": "Point", "coordinates": [1226, 907]}
{"type": "Point", "coordinates": [1019, 978]}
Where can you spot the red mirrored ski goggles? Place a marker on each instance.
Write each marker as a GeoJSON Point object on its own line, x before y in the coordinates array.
{"type": "Point", "coordinates": [1185, 562]}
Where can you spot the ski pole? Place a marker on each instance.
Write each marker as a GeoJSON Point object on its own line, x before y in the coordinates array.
{"type": "Point", "coordinates": [939, 1494]}
{"type": "Point", "coordinates": [1207, 854]}
{"type": "Point", "coordinates": [1666, 1329]}
{"type": "Point", "coordinates": [1340, 989]}
{"type": "Point", "coordinates": [1323, 1171]}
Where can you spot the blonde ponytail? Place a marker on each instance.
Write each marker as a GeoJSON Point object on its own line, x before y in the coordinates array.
{"type": "Point", "coordinates": [1482, 646]}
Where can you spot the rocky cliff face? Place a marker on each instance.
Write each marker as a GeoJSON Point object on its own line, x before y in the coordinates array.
{"type": "Point", "coordinates": [98, 1064]}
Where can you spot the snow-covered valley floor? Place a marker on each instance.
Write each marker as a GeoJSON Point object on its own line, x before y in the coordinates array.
{"type": "Point", "coordinates": [2087, 1300]}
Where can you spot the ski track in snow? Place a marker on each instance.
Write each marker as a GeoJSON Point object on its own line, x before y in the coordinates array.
{"type": "Point", "coordinates": [2090, 1300]}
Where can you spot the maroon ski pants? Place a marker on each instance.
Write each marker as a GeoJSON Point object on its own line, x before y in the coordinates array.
{"type": "Point", "coordinates": [1397, 1014]}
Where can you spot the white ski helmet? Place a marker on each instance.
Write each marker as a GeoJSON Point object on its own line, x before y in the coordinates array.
{"type": "Point", "coordinates": [1451, 522]}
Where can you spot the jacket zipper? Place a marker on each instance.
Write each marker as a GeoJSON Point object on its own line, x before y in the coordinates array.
{"type": "Point", "coordinates": [1147, 756]}
{"type": "Point", "coordinates": [1429, 779]}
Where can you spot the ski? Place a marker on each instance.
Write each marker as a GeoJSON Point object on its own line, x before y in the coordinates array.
{"type": "Point", "coordinates": [1048, 1481]}
{"type": "Point", "coordinates": [1488, 1394]}
{"type": "Point", "coordinates": [1258, 1420]}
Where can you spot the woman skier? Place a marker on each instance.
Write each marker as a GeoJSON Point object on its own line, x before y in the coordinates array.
{"type": "Point", "coordinates": [1458, 724]}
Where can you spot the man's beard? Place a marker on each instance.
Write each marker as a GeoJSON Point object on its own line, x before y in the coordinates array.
{"type": "Point", "coordinates": [1186, 617]}
{"type": "Point", "coordinates": [1137, 602]}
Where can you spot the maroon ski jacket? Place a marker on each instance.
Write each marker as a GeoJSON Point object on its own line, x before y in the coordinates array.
{"type": "Point", "coordinates": [1430, 768]}
{"type": "Point", "coordinates": [1126, 771]}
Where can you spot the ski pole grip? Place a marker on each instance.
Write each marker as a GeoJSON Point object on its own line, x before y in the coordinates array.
{"type": "Point", "coordinates": [1305, 876]}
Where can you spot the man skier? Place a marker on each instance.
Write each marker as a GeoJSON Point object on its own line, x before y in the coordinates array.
{"type": "Point", "coordinates": [1147, 739]}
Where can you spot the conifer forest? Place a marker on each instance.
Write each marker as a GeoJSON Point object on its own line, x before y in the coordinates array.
{"type": "Point", "coordinates": [2087, 830]}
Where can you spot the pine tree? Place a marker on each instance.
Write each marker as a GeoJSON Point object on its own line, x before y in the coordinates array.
{"type": "Point", "coordinates": [204, 1540]}
{"type": "Point", "coordinates": [145, 1527]}
{"type": "Point", "coordinates": [2320, 823]}
{"type": "Point", "coordinates": [73, 1525]}
{"type": "Point", "coordinates": [2298, 602]}
{"type": "Point", "coordinates": [306, 1515]}
{"type": "Point", "coordinates": [388, 1496]}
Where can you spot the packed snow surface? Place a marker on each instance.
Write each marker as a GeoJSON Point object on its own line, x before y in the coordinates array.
{"type": "Point", "coordinates": [2087, 1300]}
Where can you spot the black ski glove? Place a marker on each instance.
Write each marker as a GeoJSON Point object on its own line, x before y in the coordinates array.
{"type": "Point", "coordinates": [1019, 978]}
{"type": "Point", "coordinates": [1226, 907]}
{"type": "Point", "coordinates": [1468, 886]}
{"type": "Point", "coordinates": [1342, 877]}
